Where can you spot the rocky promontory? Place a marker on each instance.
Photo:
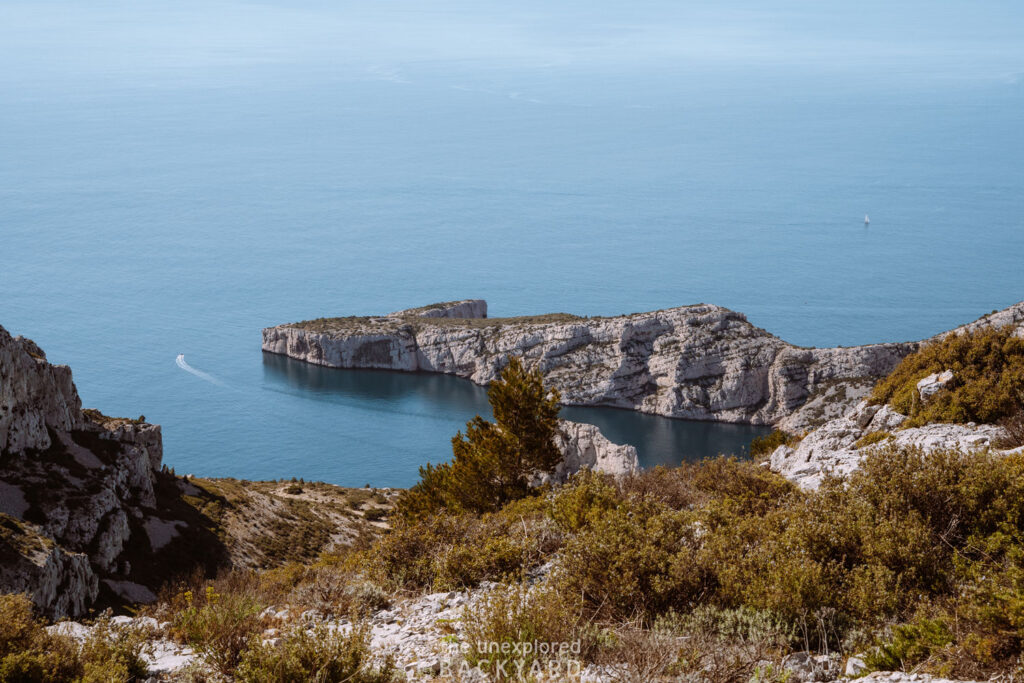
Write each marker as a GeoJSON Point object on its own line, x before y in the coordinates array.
{"type": "Point", "coordinates": [699, 362]}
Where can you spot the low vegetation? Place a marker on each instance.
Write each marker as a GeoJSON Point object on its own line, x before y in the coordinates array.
{"type": "Point", "coordinates": [29, 653]}
{"type": "Point", "coordinates": [987, 384]}
{"type": "Point", "coordinates": [713, 570]}
{"type": "Point", "coordinates": [871, 438]}
{"type": "Point", "coordinates": [763, 446]}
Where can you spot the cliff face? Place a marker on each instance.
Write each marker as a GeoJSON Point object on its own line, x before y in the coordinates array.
{"type": "Point", "coordinates": [699, 362]}
{"type": "Point", "coordinates": [73, 485]}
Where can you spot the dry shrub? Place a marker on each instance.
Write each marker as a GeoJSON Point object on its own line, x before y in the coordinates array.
{"type": "Point", "coordinates": [523, 614]}
{"type": "Point", "coordinates": [320, 654]}
{"type": "Point", "coordinates": [218, 626]}
{"type": "Point", "coordinates": [454, 551]}
{"type": "Point", "coordinates": [338, 591]}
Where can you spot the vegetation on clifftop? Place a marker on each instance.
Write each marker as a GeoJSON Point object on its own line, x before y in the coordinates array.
{"type": "Point", "coordinates": [987, 384]}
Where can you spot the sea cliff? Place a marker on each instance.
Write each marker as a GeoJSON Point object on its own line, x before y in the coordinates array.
{"type": "Point", "coordinates": [698, 362]}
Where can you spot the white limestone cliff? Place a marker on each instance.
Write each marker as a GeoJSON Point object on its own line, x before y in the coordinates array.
{"type": "Point", "coordinates": [698, 362]}
{"type": "Point", "coordinates": [72, 483]}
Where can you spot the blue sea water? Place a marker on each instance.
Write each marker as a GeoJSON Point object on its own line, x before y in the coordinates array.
{"type": "Point", "coordinates": [175, 176]}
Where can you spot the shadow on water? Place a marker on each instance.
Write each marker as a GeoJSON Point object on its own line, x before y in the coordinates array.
{"type": "Point", "coordinates": [659, 440]}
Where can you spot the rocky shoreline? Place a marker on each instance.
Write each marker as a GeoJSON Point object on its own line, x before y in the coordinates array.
{"type": "Point", "coordinates": [700, 362]}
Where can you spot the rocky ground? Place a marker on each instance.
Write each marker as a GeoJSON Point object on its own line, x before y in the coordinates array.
{"type": "Point", "coordinates": [423, 636]}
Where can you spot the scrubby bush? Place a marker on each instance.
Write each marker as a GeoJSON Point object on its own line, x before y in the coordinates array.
{"type": "Point", "coordinates": [493, 463]}
{"type": "Point", "coordinates": [987, 384]}
{"type": "Point", "coordinates": [30, 654]}
{"type": "Point", "coordinates": [219, 626]}
{"type": "Point", "coordinates": [27, 652]}
{"type": "Point", "coordinates": [519, 614]}
{"type": "Point", "coordinates": [115, 653]}
{"type": "Point", "coordinates": [762, 446]}
{"type": "Point", "coordinates": [453, 551]}
{"type": "Point", "coordinates": [318, 654]}
{"type": "Point", "coordinates": [634, 561]}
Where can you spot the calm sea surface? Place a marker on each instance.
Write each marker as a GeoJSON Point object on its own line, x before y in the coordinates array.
{"type": "Point", "coordinates": [175, 176]}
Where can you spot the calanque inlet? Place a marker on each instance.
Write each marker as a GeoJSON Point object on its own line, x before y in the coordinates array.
{"type": "Point", "coordinates": [92, 519]}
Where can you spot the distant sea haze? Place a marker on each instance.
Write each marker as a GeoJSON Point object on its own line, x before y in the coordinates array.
{"type": "Point", "coordinates": [174, 177]}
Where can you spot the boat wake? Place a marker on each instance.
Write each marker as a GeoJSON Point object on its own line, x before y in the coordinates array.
{"type": "Point", "coordinates": [198, 373]}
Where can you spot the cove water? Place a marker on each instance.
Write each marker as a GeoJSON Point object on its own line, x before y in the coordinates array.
{"type": "Point", "coordinates": [176, 176]}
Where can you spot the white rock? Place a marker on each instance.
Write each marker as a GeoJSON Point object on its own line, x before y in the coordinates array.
{"type": "Point", "coordinates": [831, 449]}
{"type": "Point", "coordinates": [933, 383]}
{"type": "Point", "coordinates": [854, 666]}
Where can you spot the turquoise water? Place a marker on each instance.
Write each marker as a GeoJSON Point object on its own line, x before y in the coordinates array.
{"type": "Point", "coordinates": [173, 177]}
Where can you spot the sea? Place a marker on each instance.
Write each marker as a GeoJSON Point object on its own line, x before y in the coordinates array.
{"type": "Point", "coordinates": [175, 176]}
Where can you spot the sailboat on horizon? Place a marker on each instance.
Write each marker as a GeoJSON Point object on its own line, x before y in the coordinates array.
{"type": "Point", "coordinates": [867, 221]}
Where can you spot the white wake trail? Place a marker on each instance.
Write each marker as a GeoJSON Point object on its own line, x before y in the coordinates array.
{"type": "Point", "coordinates": [198, 373]}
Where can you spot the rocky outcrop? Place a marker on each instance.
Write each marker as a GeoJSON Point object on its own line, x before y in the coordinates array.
{"type": "Point", "coordinates": [73, 484]}
{"type": "Point", "coordinates": [837, 447]}
{"type": "Point", "coordinates": [583, 446]}
{"type": "Point", "coordinates": [698, 362]}
{"type": "Point", "coordinates": [35, 396]}
{"type": "Point", "coordinates": [60, 582]}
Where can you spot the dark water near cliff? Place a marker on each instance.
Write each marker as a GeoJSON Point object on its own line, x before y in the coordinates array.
{"type": "Point", "coordinates": [175, 176]}
{"type": "Point", "coordinates": [409, 405]}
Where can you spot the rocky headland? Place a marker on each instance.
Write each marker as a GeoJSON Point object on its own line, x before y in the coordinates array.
{"type": "Point", "coordinates": [700, 362]}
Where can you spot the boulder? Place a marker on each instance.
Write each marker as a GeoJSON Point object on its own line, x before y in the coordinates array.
{"type": "Point", "coordinates": [933, 383]}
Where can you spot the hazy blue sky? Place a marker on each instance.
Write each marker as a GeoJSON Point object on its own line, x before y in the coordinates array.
{"type": "Point", "coordinates": [43, 39]}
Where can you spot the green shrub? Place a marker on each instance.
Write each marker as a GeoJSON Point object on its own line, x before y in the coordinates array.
{"type": "Point", "coordinates": [910, 645]}
{"type": "Point", "coordinates": [115, 653]}
{"type": "Point", "coordinates": [635, 560]}
{"type": "Point", "coordinates": [762, 446]}
{"type": "Point", "coordinates": [375, 514]}
{"type": "Point", "coordinates": [29, 654]}
{"type": "Point", "coordinates": [493, 463]}
{"type": "Point", "coordinates": [987, 384]}
{"type": "Point", "coordinates": [219, 626]}
{"type": "Point", "coordinates": [454, 551]}
{"type": "Point", "coordinates": [318, 654]}
{"type": "Point", "coordinates": [871, 438]}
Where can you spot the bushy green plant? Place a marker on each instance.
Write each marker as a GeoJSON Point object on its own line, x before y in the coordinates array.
{"type": "Point", "coordinates": [453, 551]}
{"type": "Point", "coordinates": [634, 561]}
{"type": "Point", "coordinates": [219, 626]}
{"type": "Point", "coordinates": [762, 446]}
{"type": "Point", "coordinates": [115, 653]}
{"type": "Point", "coordinates": [910, 645]}
{"type": "Point", "coordinates": [987, 384]}
{"type": "Point", "coordinates": [493, 463]}
{"type": "Point", "coordinates": [30, 654]}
